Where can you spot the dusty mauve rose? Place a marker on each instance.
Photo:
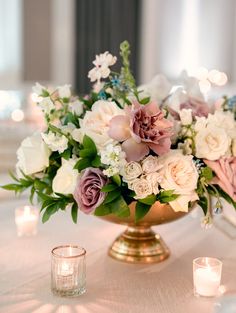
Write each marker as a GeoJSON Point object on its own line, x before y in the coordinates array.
{"type": "Point", "coordinates": [198, 107]}
{"type": "Point", "coordinates": [88, 193]}
{"type": "Point", "coordinates": [225, 170]}
{"type": "Point", "coordinates": [142, 128]}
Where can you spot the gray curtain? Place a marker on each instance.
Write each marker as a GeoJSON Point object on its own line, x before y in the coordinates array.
{"type": "Point", "coordinates": [101, 25]}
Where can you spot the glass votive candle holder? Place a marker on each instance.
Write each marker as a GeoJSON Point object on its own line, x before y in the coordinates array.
{"type": "Point", "coordinates": [206, 276]}
{"type": "Point", "coordinates": [26, 219]}
{"type": "Point", "coordinates": [68, 271]}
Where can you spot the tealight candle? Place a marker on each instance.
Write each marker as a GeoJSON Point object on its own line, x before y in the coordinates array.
{"type": "Point", "coordinates": [206, 276]}
{"type": "Point", "coordinates": [68, 270]}
{"type": "Point", "coordinates": [26, 219]}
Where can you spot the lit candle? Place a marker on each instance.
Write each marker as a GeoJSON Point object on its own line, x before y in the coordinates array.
{"type": "Point", "coordinates": [206, 276]}
{"type": "Point", "coordinates": [26, 219]}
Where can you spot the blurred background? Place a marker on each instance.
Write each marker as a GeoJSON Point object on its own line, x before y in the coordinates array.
{"type": "Point", "coordinates": [54, 42]}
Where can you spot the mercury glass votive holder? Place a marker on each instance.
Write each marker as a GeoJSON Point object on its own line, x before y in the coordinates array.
{"type": "Point", "coordinates": [206, 276]}
{"type": "Point", "coordinates": [68, 271]}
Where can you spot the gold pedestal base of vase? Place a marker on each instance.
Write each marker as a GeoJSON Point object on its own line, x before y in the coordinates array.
{"type": "Point", "coordinates": [139, 245]}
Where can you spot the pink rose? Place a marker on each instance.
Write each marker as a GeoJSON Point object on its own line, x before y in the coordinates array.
{"type": "Point", "coordinates": [142, 128]}
{"type": "Point", "coordinates": [88, 193]}
{"type": "Point", "coordinates": [225, 170]}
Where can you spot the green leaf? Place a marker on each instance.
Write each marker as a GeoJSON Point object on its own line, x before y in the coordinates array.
{"type": "Point", "coordinates": [82, 164]}
{"type": "Point", "coordinates": [13, 176]}
{"type": "Point", "coordinates": [120, 208]}
{"type": "Point", "coordinates": [88, 143]}
{"type": "Point", "coordinates": [203, 203]}
{"type": "Point", "coordinates": [66, 154]}
{"type": "Point", "coordinates": [111, 196]}
{"type": "Point", "coordinates": [45, 93]}
{"type": "Point", "coordinates": [207, 173]}
{"type": "Point", "coordinates": [167, 196]}
{"type": "Point", "coordinates": [86, 153]}
{"type": "Point", "coordinates": [50, 210]}
{"type": "Point", "coordinates": [141, 210]}
{"type": "Point", "coordinates": [14, 187]}
{"type": "Point", "coordinates": [145, 100]}
{"type": "Point", "coordinates": [96, 162]}
{"type": "Point", "coordinates": [148, 200]}
{"type": "Point", "coordinates": [32, 192]}
{"type": "Point", "coordinates": [39, 185]}
{"type": "Point", "coordinates": [116, 179]}
{"type": "Point", "coordinates": [74, 212]}
{"type": "Point", "coordinates": [109, 187]}
{"type": "Point", "coordinates": [224, 195]}
{"type": "Point", "coordinates": [102, 210]}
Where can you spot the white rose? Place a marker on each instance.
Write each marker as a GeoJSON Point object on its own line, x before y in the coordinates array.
{"type": "Point", "coordinates": [66, 178]}
{"type": "Point", "coordinates": [64, 91]}
{"type": "Point", "coordinates": [179, 174]}
{"type": "Point", "coordinates": [76, 107]}
{"type": "Point", "coordinates": [33, 155]}
{"type": "Point", "coordinates": [95, 123]}
{"type": "Point", "coordinates": [186, 116]}
{"type": "Point", "coordinates": [201, 122]}
{"type": "Point", "coordinates": [212, 143]}
{"type": "Point", "coordinates": [55, 142]}
{"type": "Point", "coordinates": [131, 171]}
{"type": "Point", "coordinates": [154, 179]}
{"type": "Point", "coordinates": [46, 105]}
{"type": "Point", "coordinates": [150, 164]}
{"type": "Point", "coordinates": [142, 188]}
{"type": "Point", "coordinates": [224, 120]}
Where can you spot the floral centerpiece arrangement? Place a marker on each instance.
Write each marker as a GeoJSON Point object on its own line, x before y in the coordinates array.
{"type": "Point", "coordinates": [123, 143]}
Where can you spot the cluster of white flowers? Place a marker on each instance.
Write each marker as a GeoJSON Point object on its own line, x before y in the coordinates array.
{"type": "Point", "coordinates": [143, 178]}
{"type": "Point", "coordinates": [101, 69]}
{"type": "Point", "coordinates": [114, 157]}
{"type": "Point", "coordinates": [55, 142]}
{"type": "Point", "coordinates": [215, 135]}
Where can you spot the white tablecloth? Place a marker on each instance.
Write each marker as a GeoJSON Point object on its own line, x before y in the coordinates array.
{"type": "Point", "coordinates": [112, 286]}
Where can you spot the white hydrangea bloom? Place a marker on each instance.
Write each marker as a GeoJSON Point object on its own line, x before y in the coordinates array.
{"type": "Point", "coordinates": [55, 142]}
{"type": "Point", "coordinates": [46, 105]}
{"type": "Point", "coordinates": [101, 69]}
{"type": "Point", "coordinates": [64, 91]}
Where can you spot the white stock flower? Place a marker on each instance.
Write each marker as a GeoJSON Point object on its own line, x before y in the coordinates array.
{"type": "Point", "coordinates": [212, 143]}
{"type": "Point", "coordinates": [66, 178]}
{"type": "Point", "coordinates": [180, 175]}
{"type": "Point", "coordinates": [76, 107]}
{"type": "Point", "coordinates": [68, 129]}
{"type": "Point", "coordinates": [46, 105]}
{"type": "Point", "coordinates": [111, 171]}
{"type": "Point", "coordinates": [101, 69]}
{"type": "Point", "coordinates": [64, 91]}
{"type": "Point", "coordinates": [150, 164]}
{"type": "Point", "coordinates": [186, 116]}
{"type": "Point", "coordinates": [33, 155]}
{"type": "Point", "coordinates": [77, 135]}
{"type": "Point", "coordinates": [113, 155]}
{"type": "Point", "coordinates": [55, 142]}
{"type": "Point", "coordinates": [131, 171]}
{"type": "Point", "coordinates": [38, 89]}
{"type": "Point", "coordinates": [95, 123]}
{"type": "Point", "coordinates": [186, 146]}
{"type": "Point", "coordinates": [142, 188]}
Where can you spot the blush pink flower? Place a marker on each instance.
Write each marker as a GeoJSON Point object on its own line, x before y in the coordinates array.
{"type": "Point", "coordinates": [88, 193]}
{"type": "Point", "coordinates": [225, 170]}
{"type": "Point", "coordinates": [141, 129]}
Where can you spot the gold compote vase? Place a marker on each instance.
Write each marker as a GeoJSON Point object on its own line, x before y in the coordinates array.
{"type": "Point", "coordinates": [139, 243]}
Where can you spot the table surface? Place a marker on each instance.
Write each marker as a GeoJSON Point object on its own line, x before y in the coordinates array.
{"type": "Point", "coordinates": [112, 286]}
